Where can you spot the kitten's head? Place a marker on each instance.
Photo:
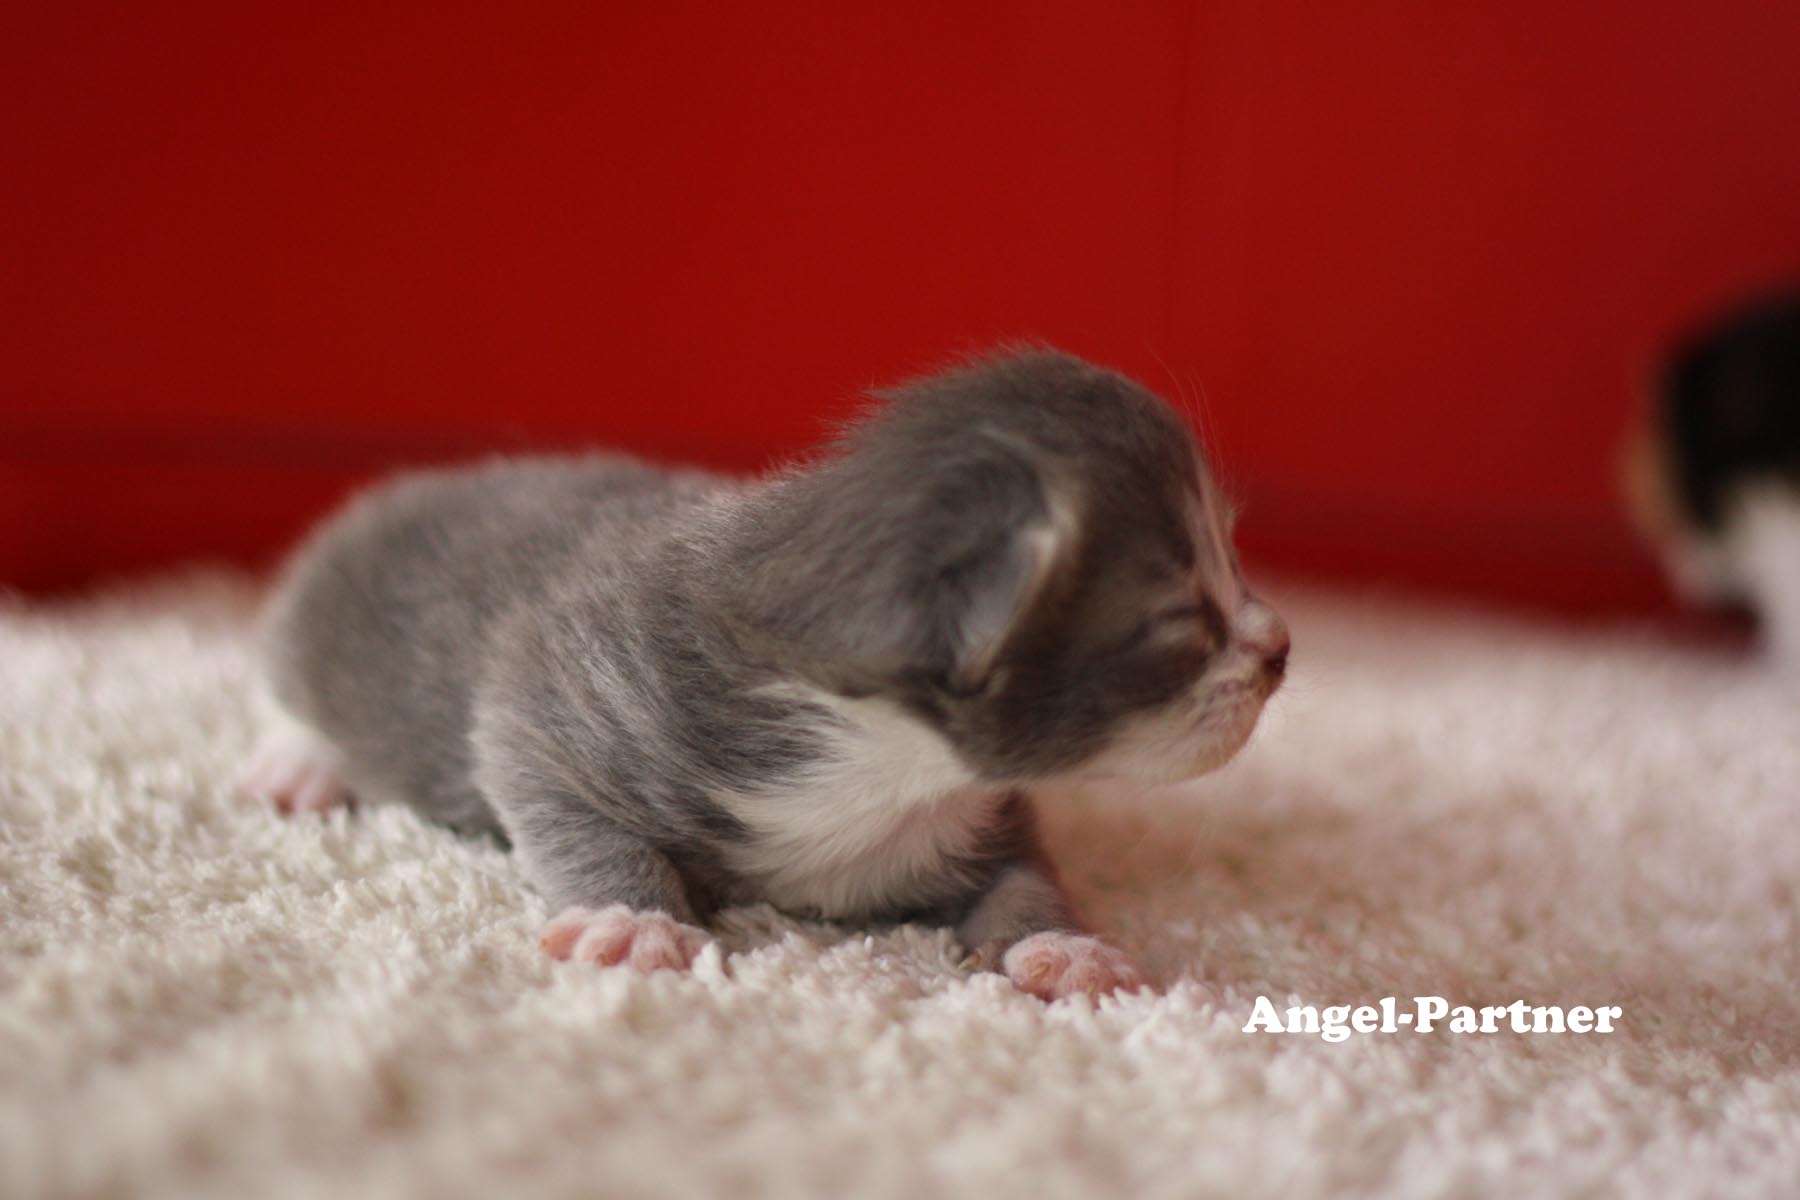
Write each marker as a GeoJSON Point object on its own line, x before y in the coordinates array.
{"type": "Point", "coordinates": [1030, 556]}
{"type": "Point", "coordinates": [1724, 426]}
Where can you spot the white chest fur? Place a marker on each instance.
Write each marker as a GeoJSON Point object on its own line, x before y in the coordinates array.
{"type": "Point", "coordinates": [880, 821]}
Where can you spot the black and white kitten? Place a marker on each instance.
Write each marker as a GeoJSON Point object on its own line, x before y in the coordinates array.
{"type": "Point", "coordinates": [831, 689]}
{"type": "Point", "coordinates": [1715, 477]}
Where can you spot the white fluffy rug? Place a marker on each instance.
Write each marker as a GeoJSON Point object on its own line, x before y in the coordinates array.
{"type": "Point", "coordinates": [201, 999]}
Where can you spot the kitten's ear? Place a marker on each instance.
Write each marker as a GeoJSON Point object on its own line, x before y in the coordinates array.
{"type": "Point", "coordinates": [983, 600]}
{"type": "Point", "coordinates": [884, 570]}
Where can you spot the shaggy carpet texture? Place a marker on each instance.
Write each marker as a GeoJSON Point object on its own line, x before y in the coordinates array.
{"type": "Point", "coordinates": [199, 998]}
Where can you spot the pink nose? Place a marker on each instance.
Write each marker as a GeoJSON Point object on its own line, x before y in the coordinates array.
{"type": "Point", "coordinates": [1275, 658]}
{"type": "Point", "coordinates": [1263, 633]}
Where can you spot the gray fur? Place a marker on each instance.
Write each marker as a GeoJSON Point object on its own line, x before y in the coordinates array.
{"type": "Point", "coordinates": [618, 669]}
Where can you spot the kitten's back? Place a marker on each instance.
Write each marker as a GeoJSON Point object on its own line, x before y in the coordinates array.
{"type": "Point", "coordinates": [376, 635]}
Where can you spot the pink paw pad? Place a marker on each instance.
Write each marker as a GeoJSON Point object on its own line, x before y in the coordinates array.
{"type": "Point", "coordinates": [295, 774]}
{"type": "Point", "coordinates": [1054, 965]}
{"type": "Point", "coordinates": [648, 941]}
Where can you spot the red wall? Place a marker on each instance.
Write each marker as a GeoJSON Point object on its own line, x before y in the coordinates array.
{"type": "Point", "coordinates": [1409, 257]}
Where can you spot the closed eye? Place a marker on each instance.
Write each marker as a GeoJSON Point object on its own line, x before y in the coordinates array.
{"type": "Point", "coordinates": [1178, 614]}
{"type": "Point", "coordinates": [1178, 619]}
{"type": "Point", "coordinates": [1205, 613]}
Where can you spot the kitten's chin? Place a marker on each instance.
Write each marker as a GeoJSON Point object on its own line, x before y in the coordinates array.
{"type": "Point", "coordinates": [1174, 747]}
{"type": "Point", "coordinates": [1218, 743]}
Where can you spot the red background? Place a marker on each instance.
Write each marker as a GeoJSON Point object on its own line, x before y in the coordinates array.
{"type": "Point", "coordinates": [1409, 259]}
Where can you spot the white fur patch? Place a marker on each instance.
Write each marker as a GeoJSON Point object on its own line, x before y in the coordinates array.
{"type": "Point", "coordinates": [1763, 545]}
{"type": "Point", "coordinates": [873, 824]}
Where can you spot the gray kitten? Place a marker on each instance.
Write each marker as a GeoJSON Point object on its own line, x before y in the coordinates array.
{"type": "Point", "coordinates": [831, 689]}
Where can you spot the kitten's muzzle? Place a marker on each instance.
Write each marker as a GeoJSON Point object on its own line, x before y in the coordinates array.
{"type": "Point", "coordinates": [1264, 637]}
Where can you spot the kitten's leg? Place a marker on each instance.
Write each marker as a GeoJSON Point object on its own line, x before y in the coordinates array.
{"type": "Point", "coordinates": [1024, 926]}
{"type": "Point", "coordinates": [294, 769]}
{"type": "Point", "coordinates": [621, 900]}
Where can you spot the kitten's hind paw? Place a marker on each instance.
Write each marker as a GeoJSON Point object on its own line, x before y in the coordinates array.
{"type": "Point", "coordinates": [294, 771]}
{"type": "Point", "coordinates": [1054, 965]}
{"type": "Point", "coordinates": [616, 935]}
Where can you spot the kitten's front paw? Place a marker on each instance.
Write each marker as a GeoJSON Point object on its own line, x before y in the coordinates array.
{"type": "Point", "coordinates": [616, 934]}
{"type": "Point", "coordinates": [1054, 965]}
